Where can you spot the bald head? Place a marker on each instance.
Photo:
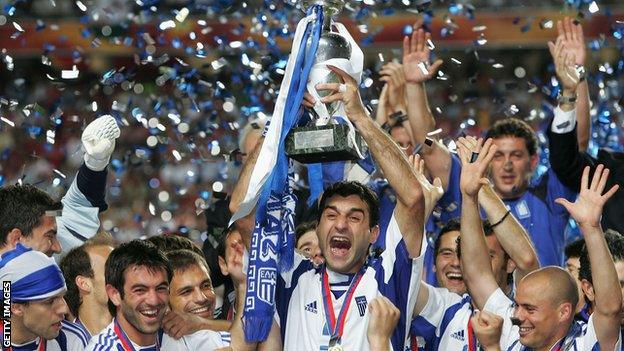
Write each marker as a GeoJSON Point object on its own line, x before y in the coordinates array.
{"type": "Point", "coordinates": [556, 284]}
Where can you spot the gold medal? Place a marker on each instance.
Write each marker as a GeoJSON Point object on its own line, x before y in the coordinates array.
{"type": "Point", "coordinates": [335, 348]}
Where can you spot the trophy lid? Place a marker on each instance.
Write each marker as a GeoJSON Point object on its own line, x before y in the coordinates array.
{"type": "Point", "coordinates": [330, 7]}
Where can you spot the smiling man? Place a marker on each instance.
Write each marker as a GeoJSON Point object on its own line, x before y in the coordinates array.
{"type": "Point", "coordinates": [138, 277]}
{"type": "Point", "coordinates": [37, 305]}
{"type": "Point", "coordinates": [191, 289]}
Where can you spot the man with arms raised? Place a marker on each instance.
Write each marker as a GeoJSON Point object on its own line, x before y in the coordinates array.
{"type": "Point", "coordinates": [545, 300]}
{"type": "Point", "coordinates": [442, 320]}
{"type": "Point", "coordinates": [326, 307]}
{"type": "Point", "coordinates": [531, 203]}
{"type": "Point", "coordinates": [37, 305]}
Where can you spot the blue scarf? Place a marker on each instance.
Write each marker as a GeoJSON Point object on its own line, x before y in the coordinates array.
{"type": "Point", "coordinates": [272, 243]}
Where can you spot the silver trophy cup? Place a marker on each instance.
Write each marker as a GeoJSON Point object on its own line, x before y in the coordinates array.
{"type": "Point", "coordinates": [330, 142]}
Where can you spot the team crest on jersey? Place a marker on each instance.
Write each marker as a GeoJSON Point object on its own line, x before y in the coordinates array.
{"type": "Point", "coordinates": [361, 304]}
{"type": "Point", "coordinates": [522, 209]}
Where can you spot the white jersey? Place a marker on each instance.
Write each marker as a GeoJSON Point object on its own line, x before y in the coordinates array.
{"type": "Point", "coordinates": [580, 337]}
{"type": "Point", "coordinates": [70, 338]}
{"type": "Point", "coordinates": [300, 307]}
{"type": "Point", "coordinates": [205, 340]}
{"type": "Point", "coordinates": [443, 322]}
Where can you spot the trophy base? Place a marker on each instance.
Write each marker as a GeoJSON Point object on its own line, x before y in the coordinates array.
{"type": "Point", "coordinates": [318, 144]}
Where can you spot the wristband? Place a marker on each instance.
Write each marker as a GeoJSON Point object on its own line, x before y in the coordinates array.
{"type": "Point", "coordinates": [562, 99]}
{"type": "Point", "coordinates": [501, 220]}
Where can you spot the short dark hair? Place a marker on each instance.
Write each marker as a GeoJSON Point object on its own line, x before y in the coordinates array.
{"type": "Point", "coordinates": [21, 207]}
{"type": "Point", "coordinates": [452, 225]}
{"type": "Point", "coordinates": [615, 243]}
{"type": "Point", "coordinates": [167, 243]}
{"type": "Point", "coordinates": [303, 228]}
{"type": "Point", "coordinates": [76, 262]}
{"type": "Point", "coordinates": [182, 259]}
{"type": "Point", "coordinates": [133, 253]}
{"type": "Point", "coordinates": [574, 248]}
{"type": "Point", "coordinates": [347, 188]}
{"type": "Point", "coordinates": [513, 127]}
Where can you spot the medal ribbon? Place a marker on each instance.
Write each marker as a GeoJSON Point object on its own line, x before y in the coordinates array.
{"type": "Point", "coordinates": [125, 341]}
{"type": "Point", "coordinates": [471, 337]}
{"type": "Point", "coordinates": [336, 327]}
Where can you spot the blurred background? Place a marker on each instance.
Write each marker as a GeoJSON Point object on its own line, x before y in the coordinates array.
{"type": "Point", "coordinates": [184, 77]}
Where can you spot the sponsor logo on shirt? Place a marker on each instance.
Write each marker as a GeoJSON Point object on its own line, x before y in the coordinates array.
{"type": "Point", "coordinates": [311, 307]}
{"type": "Point", "coordinates": [459, 335]}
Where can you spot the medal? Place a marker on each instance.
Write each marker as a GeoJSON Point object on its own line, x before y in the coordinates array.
{"type": "Point", "coordinates": [336, 325]}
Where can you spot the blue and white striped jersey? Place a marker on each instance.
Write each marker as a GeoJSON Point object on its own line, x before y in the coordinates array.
{"type": "Point", "coordinates": [300, 307]}
{"type": "Point", "coordinates": [207, 340]}
{"type": "Point", "coordinates": [71, 338]}
{"type": "Point", "coordinates": [580, 337]}
{"type": "Point", "coordinates": [443, 322]}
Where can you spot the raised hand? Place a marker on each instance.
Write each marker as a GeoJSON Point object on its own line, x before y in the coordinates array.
{"type": "Point", "coordinates": [432, 192]}
{"type": "Point", "coordinates": [473, 174]}
{"type": "Point", "coordinates": [587, 209]}
{"type": "Point", "coordinates": [347, 92]}
{"type": "Point", "coordinates": [565, 67]}
{"type": "Point", "coordinates": [416, 57]}
{"type": "Point", "coordinates": [393, 75]}
{"type": "Point", "coordinates": [98, 140]}
{"type": "Point", "coordinates": [574, 41]}
{"type": "Point", "coordinates": [383, 319]}
{"type": "Point", "coordinates": [488, 328]}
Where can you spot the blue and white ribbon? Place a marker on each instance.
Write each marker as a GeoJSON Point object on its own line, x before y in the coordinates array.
{"type": "Point", "coordinates": [272, 244]}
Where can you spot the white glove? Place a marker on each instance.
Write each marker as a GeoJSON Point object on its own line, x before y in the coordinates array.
{"type": "Point", "coordinates": [98, 140]}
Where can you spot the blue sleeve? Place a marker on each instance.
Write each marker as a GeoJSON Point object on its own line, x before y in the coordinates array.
{"type": "Point", "coordinates": [398, 277]}
{"type": "Point", "coordinates": [92, 184]}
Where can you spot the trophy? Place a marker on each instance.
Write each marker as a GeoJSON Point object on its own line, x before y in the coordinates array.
{"type": "Point", "coordinates": [325, 141]}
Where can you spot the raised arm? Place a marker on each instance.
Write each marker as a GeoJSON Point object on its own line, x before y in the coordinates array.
{"type": "Point", "coordinates": [410, 207]}
{"type": "Point", "coordinates": [587, 211]}
{"type": "Point", "coordinates": [246, 224]}
{"type": "Point", "coordinates": [85, 198]}
{"type": "Point", "coordinates": [476, 266]}
{"type": "Point", "coordinates": [417, 71]}
{"type": "Point", "coordinates": [393, 94]}
{"type": "Point", "coordinates": [512, 236]}
{"type": "Point", "coordinates": [566, 157]}
{"type": "Point", "coordinates": [574, 44]}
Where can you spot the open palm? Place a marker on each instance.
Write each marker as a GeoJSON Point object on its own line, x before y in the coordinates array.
{"type": "Point", "coordinates": [432, 192]}
{"type": "Point", "coordinates": [587, 209]}
{"type": "Point", "coordinates": [416, 57]}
